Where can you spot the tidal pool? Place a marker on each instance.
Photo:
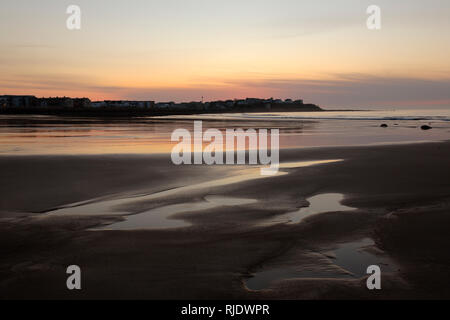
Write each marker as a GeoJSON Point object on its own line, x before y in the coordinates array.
{"type": "Point", "coordinates": [352, 258]}
{"type": "Point", "coordinates": [327, 202]}
{"type": "Point", "coordinates": [112, 206]}
{"type": "Point", "coordinates": [161, 218]}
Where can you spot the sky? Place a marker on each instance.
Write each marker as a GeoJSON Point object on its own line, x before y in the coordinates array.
{"type": "Point", "coordinates": [183, 50]}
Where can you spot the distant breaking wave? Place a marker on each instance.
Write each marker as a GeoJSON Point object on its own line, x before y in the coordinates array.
{"type": "Point", "coordinates": [399, 118]}
{"type": "Point", "coordinates": [403, 115]}
{"type": "Point", "coordinates": [431, 115]}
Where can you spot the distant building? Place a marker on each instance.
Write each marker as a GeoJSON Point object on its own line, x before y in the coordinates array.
{"type": "Point", "coordinates": [98, 104]}
{"type": "Point", "coordinates": [55, 102]}
{"type": "Point", "coordinates": [248, 104]}
{"type": "Point", "coordinates": [117, 103]}
{"type": "Point", "coordinates": [4, 103]}
{"type": "Point", "coordinates": [146, 104]}
{"type": "Point", "coordinates": [229, 103]}
{"type": "Point", "coordinates": [253, 101]}
{"type": "Point", "coordinates": [81, 103]}
{"type": "Point", "coordinates": [164, 105]}
{"type": "Point", "coordinates": [18, 101]}
{"type": "Point", "coordinates": [124, 104]}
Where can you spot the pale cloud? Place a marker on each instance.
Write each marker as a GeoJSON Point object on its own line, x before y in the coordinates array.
{"type": "Point", "coordinates": [342, 90]}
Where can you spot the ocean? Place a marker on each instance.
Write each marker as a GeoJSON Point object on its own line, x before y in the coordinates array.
{"type": "Point", "coordinates": [47, 135]}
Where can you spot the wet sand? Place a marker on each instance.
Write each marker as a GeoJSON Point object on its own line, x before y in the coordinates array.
{"type": "Point", "coordinates": [399, 196]}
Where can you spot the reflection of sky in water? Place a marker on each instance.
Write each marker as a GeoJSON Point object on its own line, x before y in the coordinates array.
{"type": "Point", "coordinates": [328, 202]}
{"type": "Point", "coordinates": [51, 135]}
{"type": "Point", "coordinates": [161, 218]}
{"type": "Point", "coordinates": [119, 205]}
{"type": "Point", "coordinates": [352, 258]}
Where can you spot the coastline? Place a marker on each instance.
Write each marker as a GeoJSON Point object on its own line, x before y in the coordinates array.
{"type": "Point", "coordinates": [399, 192]}
{"type": "Point", "coordinates": [114, 112]}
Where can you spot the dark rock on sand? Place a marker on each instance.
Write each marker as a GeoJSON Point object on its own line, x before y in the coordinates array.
{"type": "Point", "coordinates": [384, 125]}
{"type": "Point", "coordinates": [425, 127]}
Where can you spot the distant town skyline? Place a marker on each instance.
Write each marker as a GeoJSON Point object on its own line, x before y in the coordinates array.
{"type": "Point", "coordinates": [172, 50]}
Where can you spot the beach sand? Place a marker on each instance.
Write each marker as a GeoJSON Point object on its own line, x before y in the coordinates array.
{"type": "Point", "coordinates": [400, 195]}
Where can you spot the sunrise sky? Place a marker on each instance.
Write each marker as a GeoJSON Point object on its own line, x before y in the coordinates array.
{"type": "Point", "coordinates": [181, 50]}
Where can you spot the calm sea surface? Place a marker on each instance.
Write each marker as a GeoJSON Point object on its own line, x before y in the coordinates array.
{"type": "Point", "coordinates": [34, 135]}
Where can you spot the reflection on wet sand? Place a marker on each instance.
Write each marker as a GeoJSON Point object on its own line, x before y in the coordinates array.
{"type": "Point", "coordinates": [116, 206]}
{"type": "Point", "coordinates": [349, 260]}
{"type": "Point", "coordinates": [161, 218]}
{"type": "Point", "coordinates": [53, 135]}
{"type": "Point", "coordinates": [328, 202]}
{"type": "Point", "coordinates": [107, 207]}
